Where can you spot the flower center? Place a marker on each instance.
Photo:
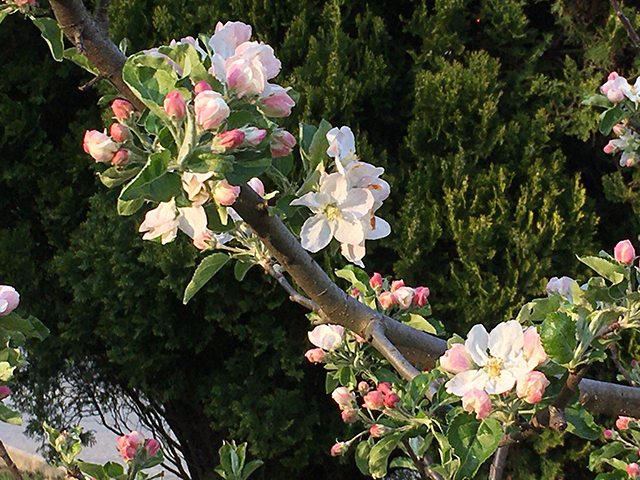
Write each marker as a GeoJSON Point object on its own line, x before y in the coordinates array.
{"type": "Point", "coordinates": [332, 212]}
{"type": "Point", "coordinates": [494, 366]}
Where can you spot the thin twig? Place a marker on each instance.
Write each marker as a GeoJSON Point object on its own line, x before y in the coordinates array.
{"type": "Point", "coordinates": [425, 472]}
{"type": "Point", "coordinates": [91, 83]}
{"type": "Point", "coordinates": [376, 336]}
{"type": "Point", "coordinates": [499, 461]}
{"type": "Point", "coordinates": [616, 360]}
{"type": "Point", "coordinates": [626, 24]}
{"type": "Point", "coordinates": [7, 459]}
{"type": "Point", "coordinates": [294, 296]}
{"type": "Point", "coordinates": [430, 471]}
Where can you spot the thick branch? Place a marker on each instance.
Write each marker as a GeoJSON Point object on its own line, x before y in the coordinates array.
{"type": "Point", "coordinates": [81, 29]}
{"type": "Point", "coordinates": [499, 461]}
{"type": "Point", "coordinates": [9, 462]}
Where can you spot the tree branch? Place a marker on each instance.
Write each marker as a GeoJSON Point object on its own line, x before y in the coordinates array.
{"type": "Point", "coordinates": [499, 461]}
{"type": "Point", "coordinates": [425, 473]}
{"type": "Point", "coordinates": [294, 296]}
{"type": "Point", "coordinates": [616, 360]}
{"type": "Point", "coordinates": [626, 24]}
{"type": "Point", "coordinates": [9, 462]}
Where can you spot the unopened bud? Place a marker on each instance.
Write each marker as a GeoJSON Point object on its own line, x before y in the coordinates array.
{"type": "Point", "coordinates": [174, 105]}
{"type": "Point", "coordinates": [121, 109]}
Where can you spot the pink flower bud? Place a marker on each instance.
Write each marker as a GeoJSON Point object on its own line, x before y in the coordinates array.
{"type": "Point", "coordinates": [624, 252]}
{"type": "Point", "coordinates": [378, 431]}
{"type": "Point", "coordinates": [615, 95]}
{"type": "Point", "coordinates": [99, 146]}
{"type": "Point", "coordinates": [386, 299]}
{"type": "Point", "coordinates": [225, 194]}
{"type": "Point", "coordinates": [404, 297]}
{"type": "Point", "coordinates": [128, 445]}
{"type": "Point", "coordinates": [9, 299]}
{"type": "Point", "coordinates": [339, 449]}
{"type": "Point", "coordinates": [282, 142]}
{"type": "Point", "coordinates": [315, 355]}
{"type": "Point", "coordinates": [376, 281]}
{"type": "Point", "coordinates": [174, 105]}
{"type": "Point", "coordinates": [152, 446]}
{"type": "Point", "coordinates": [478, 402]}
{"type": "Point", "coordinates": [359, 339]}
{"type": "Point", "coordinates": [257, 186]}
{"type": "Point", "coordinates": [633, 470]}
{"type": "Point", "coordinates": [229, 140]}
{"type": "Point", "coordinates": [619, 129]}
{"type": "Point", "coordinates": [363, 387]}
{"type": "Point", "coordinates": [622, 423]}
{"type": "Point", "coordinates": [25, 3]}
{"type": "Point", "coordinates": [531, 386]}
{"type": "Point", "coordinates": [561, 286]}
{"type": "Point", "coordinates": [121, 109]}
{"type": "Point", "coordinates": [354, 292]}
{"type": "Point", "coordinates": [457, 359]}
{"type": "Point", "coordinates": [4, 392]}
{"type": "Point", "coordinates": [343, 397]}
{"type": "Point", "coordinates": [391, 400]}
{"type": "Point", "coordinates": [385, 387]}
{"type": "Point", "coordinates": [119, 132]}
{"type": "Point", "coordinates": [608, 434]}
{"type": "Point", "coordinates": [121, 158]}
{"type": "Point", "coordinates": [211, 109]}
{"type": "Point", "coordinates": [201, 241]}
{"type": "Point", "coordinates": [201, 86]}
{"type": "Point", "coordinates": [349, 415]}
{"type": "Point", "coordinates": [253, 136]}
{"type": "Point", "coordinates": [278, 104]}
{"type": "Point", "coordinates": [396, 284]}
{"type": "Point", "coordinates": [609, 147]}
{"type": "Point", "coordinates": [373, 400]}
{"type": "Point", "coordinates": [421, 296]}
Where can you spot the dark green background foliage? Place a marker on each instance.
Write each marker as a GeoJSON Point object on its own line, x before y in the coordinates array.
{"type": "Point", "coordinates": [473, 107]}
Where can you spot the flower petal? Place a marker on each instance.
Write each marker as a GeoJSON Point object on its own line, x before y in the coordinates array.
{"type": "Point", "coordinates": [506, 339]}
{"type": "Point", "coordinates": [465, 381]}
{"type": "Point", "coordinates": [477, 343]}
{"type": "Point", "coordinates": [316, 233]}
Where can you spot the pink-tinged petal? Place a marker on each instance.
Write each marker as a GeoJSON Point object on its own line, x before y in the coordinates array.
{"type": "Point", "coordinates": [326, 336]}
{"type": "Point", "coordinates": [506, 338]}
{"type": "Point", "coordinates": [478, 402]}
{"type": "Point", "coordinates": [456, 360]}
{"type": "Point", "coordinates": [465, 381]}
{"type": "Point", "coordinates": [477, 344]}
{"type": "Point", "coordinates": [316, 233]}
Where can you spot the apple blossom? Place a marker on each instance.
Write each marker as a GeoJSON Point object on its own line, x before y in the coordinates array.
{"type": "Point", "coordinates": [121, 158]}
{"type": "Point", "coordinates": [391, 400]}
{"type": "Point", "coordinates": [151, 446]}
{"type": "Point", "coordinates": [342, 145]}
{"type": "Point", "coordinates": [376, 281]}
{"type": "Point", "coordinates": [633, 470]}
{"type": "Point", "coordinates": [608, 434]}
{"type": "Point", "coordinates": [378, 431]}
{"type": "Point", "coordinates": [251, 65]}
{"type": "Point", "coordinates": [174, 105]}
{"type": "Point", "coordinates": [193, 221]}
{"type": "Point", "coordinates": [327, 337]}
{"type": "Point", "coordinates": [194, 184]}
{"type": "Point", "coordinates": [349, 415]}
{"type": "Point", "coordinates": [229, 140]}
{"type": "Point", "coordinates": [384, 387]}
{"type": "Point", "coordinates": [315, 355]}
{"type": "Point", "coordinates": [253, 136]}
{"type": "Point", "coordinates": [4, 392]}
{"type": "Point", "coordinates": [387, 300]}
{"type": "Point", "coordinates": [396, 284]}
{"type": "Point", "coordinates": [624, 252]}
{"type": "Point", "coordinates": [211, 109]}
{"type": "Point", "coordinates": [619, 129]}
{"type": "Point", "coordinates": [161, 222]}
{"type": "Point", "coordinates": [622, 423]}
{"type": "Point", "coordinates": [9, 299]}
{"type": "Point", "coordinates": [632, 92]}
{"type": "Point", "coordinates": [201, 86]}
{"type": "Point", "coordinates": [404, 297]}
{"type": "Point", "coordinates": [561, 286]}
{"type": "Point", "coordinates": [478, 402]}
{"type": "Point", "coordinates": [421, 296]}
{"type": "Point", "coordinates": [128, 445]}
{"type": "Point", "coordinates": [373, 400]}
{"type": "Point", "coordinates": [531, 386]}
{"type": "Point", "coordinates": [456, 359]}
{"type": "Point", "coordinates": [613, 87]}
{"type": "Point", "coordinates": [119, 132]}
{"type": "Point", "coordinates": [343, 397]}
{"type": "Point", "coordinates": [100, 146]}
{"type": "Point", "coordinates": [228, 36]}
{"type": "Point", "coordinates": [363, 387]}
{"type": "Point", "coordinates": [225, 193]}
{"type": "Point", "coordinates": [339, 449]}
{"type": "Point", "coordinates": [337, 213]}
{"type": "Point", "coordinates": [532, 349]}
{"type": "Point", "coordinates": [281, 144]}
{"type": "Point", "coordinates": [276, 102]}
{"type": "Point", "coordinates": [609, 147]}
{"type": "Point", "coordinates": [121, 109]}
{"type": "Point", "coordinates": [499, 357]}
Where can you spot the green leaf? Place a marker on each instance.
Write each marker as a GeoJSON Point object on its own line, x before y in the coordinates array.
{"type": "Point", "coordinates": [362, 457]}
{"type": "Point", "coordinates": [10, 416]}
{"type": "Point", "coordinates": [52, 34]}
{"type": "Point", "coordinates": [613, 272]}
{"type": "Point", "coordinates": [241, 268]}
{"type": "Point", "coordinates": [558, 333]}
{"type": "Point", "coordinates": [93, 470]}
{"type": "Point", "coordinates": [331, 382]}
{"type": "Point", "coordinates": [244, 171]}
{"type": "Point", "coordinates": [113, 469]}
{"type": "Point", "coordinates": [379, 455]}
{"type": "Point", "coordinates": [580, 422]}
{"type": "Point", "coordinates": [473, 441]}
{"type": "Point", "coordinates": [5, 11]}
{"type": "Point", "coordinates": [154, 182]}
{"type": "Point", "coordinates": [402, 462]}
{"type": "Point", "coordinates": [129, 208]}
{"type": "Point", "coordinates": [596, 100]}
{"type": "Point", "coordinates": [151, 78]}
{"type": "Point", "coordinates": [319, 145]}
{"type": "Point", "coordinates": [419, 322]}
{"type": "Point", "coordinates": [115, 176]}
{"type": "Point", "coordinates": [609, 118]}
{"type": "Point", "coordinates": [205, 271]}
{"type": "Point", "coordinates": [306, 136]}
{"type": "Point", "coordinates": [350, 274]}
{"type": "Point", "coordinates": [604, 454]}
{"type": "Point", "coordinates": [250, 468]}
{"type": "Point", "coordinates": [79, 59]}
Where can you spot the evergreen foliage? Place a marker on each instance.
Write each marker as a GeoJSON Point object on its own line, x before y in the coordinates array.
{"type": "Point", "coordinates": [473, 106]}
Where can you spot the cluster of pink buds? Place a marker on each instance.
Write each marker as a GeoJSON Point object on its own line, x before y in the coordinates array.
{"type": "Point", "coordinates": [107, 148]}
{"type": "Point", "coordinates": [398, 294]}
{"type": "Point", "coordinates": [380, 398]}
{"type": "Point", "coordinates": [133, 445]}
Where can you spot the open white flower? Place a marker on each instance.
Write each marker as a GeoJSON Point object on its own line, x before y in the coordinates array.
{"type": "Point", "coordinates": [499, 357]}
{"type": "Point", "coordinates": [342, 145]}
{"type": "Point", "coordinates": [338, 213]}
{"type": "Point", "coordinates": [327, 337]}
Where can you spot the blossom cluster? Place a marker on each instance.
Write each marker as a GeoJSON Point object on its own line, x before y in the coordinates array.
{"type": "Point", "coordinates": [398, 294]}
{"type": "Point", "coordinates": [345, 201]}
{"type": "Point", "coordinates": [326, 338]}
{"type": "Point", "coordinates": [134, 444]}
{"type": "Point", "coordinates": [626, 434]}
{"type": "Point", "coordinates": [493, 363]}
{"type": "Point", "coordinates": [617, 89]}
